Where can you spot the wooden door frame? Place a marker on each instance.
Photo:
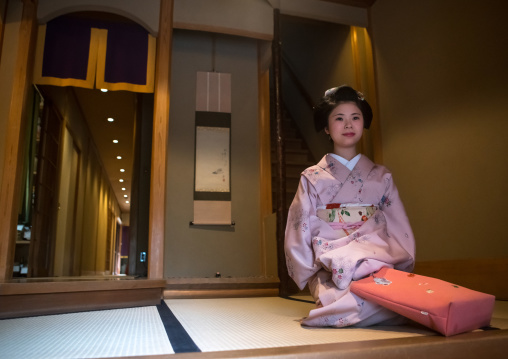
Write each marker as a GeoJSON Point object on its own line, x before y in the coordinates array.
{"type": "Point", "coordinates": [157, 216]}
{"type": "Point", "coordinates": [16, 124]}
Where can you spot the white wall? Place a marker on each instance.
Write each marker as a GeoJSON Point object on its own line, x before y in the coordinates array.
{"type": "Point", "coordinates": [442, 75]}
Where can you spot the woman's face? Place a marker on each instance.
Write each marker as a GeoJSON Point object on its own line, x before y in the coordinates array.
{"type": "Point", "coordinates": [345, 126]}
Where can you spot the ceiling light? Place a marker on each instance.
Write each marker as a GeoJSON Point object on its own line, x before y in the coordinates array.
{"type": "Point", "coordinates": [122, 170]}
{"type": "Point", "coordinates": [115, 141]}
{"type": "Point", "coordinates": [126, 201]}
{"type": "Point", "coordinates": [111, 119]}
{"type": "Point", "coordinates": [119, 157]}
{"type": "Point", "coordinates": [123, 188]}
{"type": "Point", "coordinates": [120, 180]}
{"type": "Point", "coordinates": [125, 196]}
{"type": "Point", "coordinates": [104, 90]}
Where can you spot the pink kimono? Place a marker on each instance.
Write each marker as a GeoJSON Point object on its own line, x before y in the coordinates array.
{"type": "Point", "coordinates": [342, 226]}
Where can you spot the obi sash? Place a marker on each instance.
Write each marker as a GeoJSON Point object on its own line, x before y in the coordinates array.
{"type": "Point", "coordinates": [346, 218]}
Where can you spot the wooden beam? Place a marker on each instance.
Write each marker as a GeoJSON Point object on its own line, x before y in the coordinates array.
{"type": "Point", "coordinates": [16, 123]}
{"type": "Point", "coordinates": [265, 166]}
{"type": "Point", "coordinates": [222, 30]}
{"type": "Point", "coordinates": [160, 142]}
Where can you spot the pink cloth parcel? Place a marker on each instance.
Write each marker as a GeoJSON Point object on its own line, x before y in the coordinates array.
{"type": "Point", "coordinates": [445, 307]}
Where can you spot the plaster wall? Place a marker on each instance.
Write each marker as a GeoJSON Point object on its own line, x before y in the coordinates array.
{"type": "Point", "coordinates": [193, 251]}
{"type": "Point", "coordinates": [441, 75]}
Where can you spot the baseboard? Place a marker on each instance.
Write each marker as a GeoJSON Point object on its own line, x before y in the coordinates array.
{"type": "Point", "coordinates": [486, 275]}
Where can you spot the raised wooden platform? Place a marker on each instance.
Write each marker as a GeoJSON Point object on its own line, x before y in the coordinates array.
{"type": "Point", "coordinates": [490, 344]}
{"type": "Point", "coordinates": [42, 296]}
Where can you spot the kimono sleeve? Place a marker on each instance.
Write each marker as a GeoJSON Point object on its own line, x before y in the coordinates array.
{"type": "Point", "coordinates": [298, 239]}
{"type": "Point", "coordinates": [397, 223]}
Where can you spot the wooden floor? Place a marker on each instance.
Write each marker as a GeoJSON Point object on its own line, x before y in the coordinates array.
{"type": "Point", "coordinates": [488, 345]}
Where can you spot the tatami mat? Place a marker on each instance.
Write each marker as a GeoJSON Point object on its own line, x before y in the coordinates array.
{"type": "Point", "coordinates": [99, 334]}
{"type": "Point", "coordinates": [210, 324]}
{"type": "Point", "coordinates": [249, 323]}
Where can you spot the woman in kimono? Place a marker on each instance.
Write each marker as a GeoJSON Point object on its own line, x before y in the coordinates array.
{"type": "Point", "coordinates": [346, 220]}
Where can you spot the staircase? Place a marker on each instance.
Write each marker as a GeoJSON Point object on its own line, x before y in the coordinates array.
{"type": "Point", "coordinates": [298, 158]}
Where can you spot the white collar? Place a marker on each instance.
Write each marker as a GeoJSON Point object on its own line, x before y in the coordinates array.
{"type": "Point", "coordinates": [349, 164]}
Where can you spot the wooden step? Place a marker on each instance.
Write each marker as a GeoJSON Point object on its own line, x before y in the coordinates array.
{"type": "Point", "coordinates": [294, 156]}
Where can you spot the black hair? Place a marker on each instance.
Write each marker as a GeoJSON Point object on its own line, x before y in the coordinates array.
{"type": "Point", "coordinates": [333, 97]}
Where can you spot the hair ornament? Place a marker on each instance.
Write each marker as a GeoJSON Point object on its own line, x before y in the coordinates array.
{"type": "Point", "coordinates": [331, 91]}
{"type": "Point", "coordinates": [360, 96]}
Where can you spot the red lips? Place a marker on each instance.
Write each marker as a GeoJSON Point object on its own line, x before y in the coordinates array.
{"type": "Point", "coordinates": [349, 134]}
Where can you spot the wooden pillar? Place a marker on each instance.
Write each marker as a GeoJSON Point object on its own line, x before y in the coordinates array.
{"type": "Point", "coordinates": [160, 142]}
{"type": "Point", "coordinates": [16, 123]}
{"type": "Point", "coordinates": [281, 158]}
{"type": "Point", "coordinates": [265, 165]}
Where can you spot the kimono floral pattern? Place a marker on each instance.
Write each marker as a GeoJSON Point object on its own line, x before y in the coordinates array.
{"type": "Point", "coordinates": [355, 179]}
{"type": "Point", "coordinates": [333, 190]}
{"type": "Point", "coordinates": [299, 221]}
{"type": "Point", "coordinates": [344, 225]}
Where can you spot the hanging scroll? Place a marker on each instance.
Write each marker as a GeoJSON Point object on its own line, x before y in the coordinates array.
{"type": "Point", "coordinates": [78, 51]}
{"type": "Point", "coordinates": [212, 181]}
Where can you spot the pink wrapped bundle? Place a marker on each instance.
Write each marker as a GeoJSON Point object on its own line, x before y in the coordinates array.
{"type": "Point", "coordinates": [445, 307]}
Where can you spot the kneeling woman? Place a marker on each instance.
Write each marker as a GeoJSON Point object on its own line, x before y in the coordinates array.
{"type": "Point", "coordinates": [346, 220]}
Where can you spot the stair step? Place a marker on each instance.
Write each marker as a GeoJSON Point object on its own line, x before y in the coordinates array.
{"type": "Point", "coordinates": [293, 143]}
{"type": "Point", "coordinates": [297, 159]}
{"type": "Point", "coordinates": [294, 157]}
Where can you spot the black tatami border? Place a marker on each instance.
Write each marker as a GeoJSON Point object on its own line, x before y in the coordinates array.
{"type": "Point", "coordinates": [178, 337]}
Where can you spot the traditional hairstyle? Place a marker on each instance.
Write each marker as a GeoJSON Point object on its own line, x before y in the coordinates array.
{"type": "Point", "coordinates": [332, 98]}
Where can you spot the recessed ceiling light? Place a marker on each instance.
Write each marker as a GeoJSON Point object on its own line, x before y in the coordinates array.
{"type": "Point", "coordinates": [104, 90]}
{"type": "Point", "coordinates": [122, 170]}
{"type": "Point", "coordinates": [111, 119]}
{"type": "Point", "coordinates": [115, 141]}
{"type": "Point", "coordinates": [125, 196]}
{"type": "Point", "coordinates": [123, 188]}
{"type": "Point", "coordinates": [120, 180]}
{"type": "Point", "coordinates": [119, 157]}
{"type": "Point", "coordinates": [126, 201]}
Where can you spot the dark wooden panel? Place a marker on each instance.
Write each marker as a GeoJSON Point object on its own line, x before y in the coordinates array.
{"type": "Point", "coordinates": [28, 297]}
{"type": "Point", "coordinates": [57, 303]}
{"type": "Point", "coordinates": [220, 293]}
{"type": "Point", "coordinates": [486, 275]}
{"type": "Point", "coordinates": [75, 284]}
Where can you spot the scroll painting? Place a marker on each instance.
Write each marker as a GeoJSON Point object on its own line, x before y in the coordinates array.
{"type": "Point", "coordinates": [212, 181]}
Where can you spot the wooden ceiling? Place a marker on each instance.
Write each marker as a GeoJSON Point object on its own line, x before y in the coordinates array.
{"type": "Point", "coordinates": [357, 3]}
